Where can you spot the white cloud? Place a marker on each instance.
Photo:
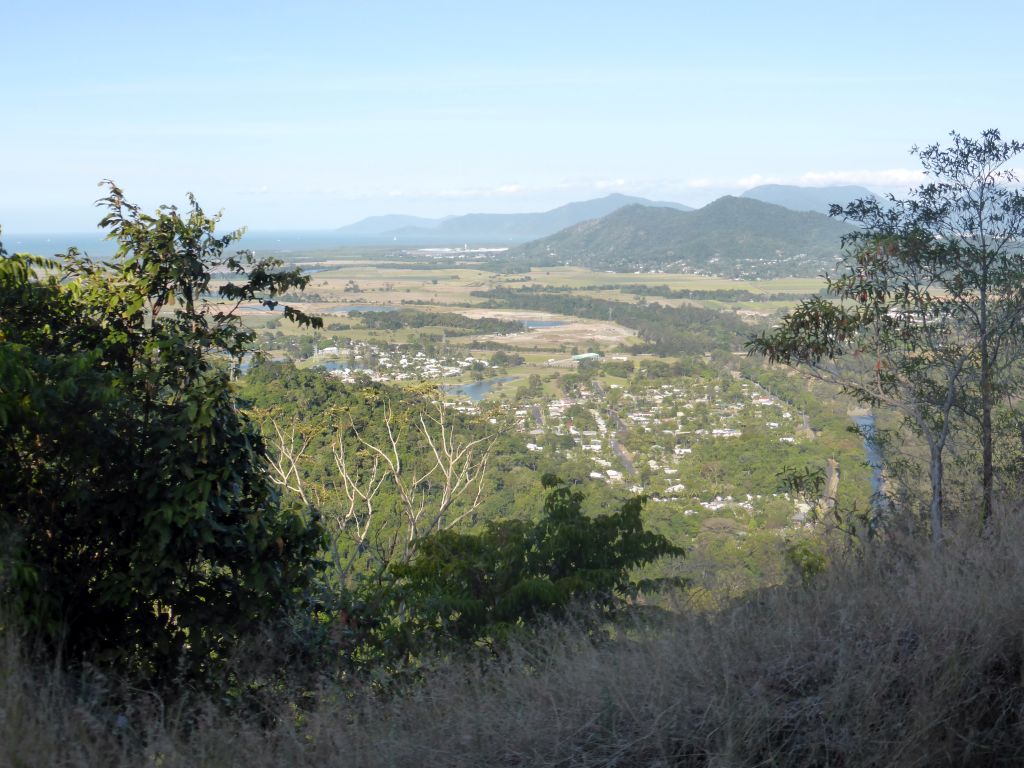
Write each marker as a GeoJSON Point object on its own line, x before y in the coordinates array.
{"type": "Point", "coordinates": [756, 180]}
{"type": "Point", "coordinates": [610, 184]}
{"type": "Point", "coordinates": [509, 189]}
{"type": "Point", "coordinates": [891, 177]}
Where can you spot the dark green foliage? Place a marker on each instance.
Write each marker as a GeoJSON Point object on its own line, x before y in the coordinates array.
{"type": "Point", "coordinates": [731, 295]}
{"type": "Point", "coordinates": [454, 323]}
{"type": "Point", "coordinates": [502, 358]}
{"type": "Point", "coordinates": [323, 413]}
{"type": "Point", "coordinates": [621, 368]}
{"type": "Point", "coordinates": [465, 587]}
{"type": "Point", "coordinates": [139, 525]}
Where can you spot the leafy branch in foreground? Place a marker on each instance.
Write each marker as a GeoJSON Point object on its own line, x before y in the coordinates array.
{"type": "Point", "coordinates": [138, 522]}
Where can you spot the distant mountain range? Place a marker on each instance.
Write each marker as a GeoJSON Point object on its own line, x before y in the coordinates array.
{"type": "Point", "coordinates": [494, 228]}
{"type": "Point", "coordinates": [772, 230]}
{"type": "Point", "coordinates": [378, 225]}
{"type": "Point", "coordinates": [807, 198]}
{"type": "Point", "coordinates": [733, 237]}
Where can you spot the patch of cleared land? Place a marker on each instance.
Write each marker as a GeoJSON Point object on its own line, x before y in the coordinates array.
{"type": "Point", "coordinates": [361, 281]}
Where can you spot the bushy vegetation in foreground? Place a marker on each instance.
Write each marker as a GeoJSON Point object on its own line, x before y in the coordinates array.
{"type": "Point", "coordinates": [904, 657]}
{"type": "Point", "coordinates": [138, 526]}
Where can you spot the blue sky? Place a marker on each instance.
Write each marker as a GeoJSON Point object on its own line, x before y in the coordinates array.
{"type": "Point", "coordinates": [313, 115]}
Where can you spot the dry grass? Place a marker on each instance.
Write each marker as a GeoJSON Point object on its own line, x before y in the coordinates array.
{"type": "Point", "coordinates": [902, 659]}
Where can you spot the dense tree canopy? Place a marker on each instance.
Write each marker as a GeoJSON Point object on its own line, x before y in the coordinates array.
{"type": "Point", "coordinates": [467, 587]}
{"type": "Point", "coordinates": [137, 521]}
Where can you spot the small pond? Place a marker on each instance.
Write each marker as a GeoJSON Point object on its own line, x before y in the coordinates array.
{"type": "Point", "coordinates": [531, 324]}
{"type": "Point", "coordinates": [344, 310]}
{"type": "Point", "coordinates": [476, 390]}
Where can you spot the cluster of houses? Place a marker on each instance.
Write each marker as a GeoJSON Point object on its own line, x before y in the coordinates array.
{"type": "Point", "coordinates": [392, 362]}
{"type": "Point", "coordinates": [642, 437]}
{"type": "Point", "coordinates": [637, 437]}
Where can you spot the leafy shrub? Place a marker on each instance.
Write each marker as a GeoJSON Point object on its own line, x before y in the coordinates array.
{"type": "Point", "coordinates": [139, 525]}
{"type": "Point", "coordinates": [465, 588]}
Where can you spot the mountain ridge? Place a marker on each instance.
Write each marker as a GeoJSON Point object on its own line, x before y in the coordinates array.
{"type": "Point", "coordinates": [732, 237]}
{"type": "Point", "coordinates": [500, 227]}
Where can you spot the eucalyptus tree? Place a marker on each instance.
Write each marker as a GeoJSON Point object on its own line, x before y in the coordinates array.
{"type": "Point", "coordinates": [927, 301]}
{"type": "Point", "coordinates": [973, 207]}
{"type": "Point", "coordinates": [397, 475]}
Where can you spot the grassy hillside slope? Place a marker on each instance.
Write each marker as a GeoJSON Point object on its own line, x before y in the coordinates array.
{"type": "Point", "coordinates": [904, 657]}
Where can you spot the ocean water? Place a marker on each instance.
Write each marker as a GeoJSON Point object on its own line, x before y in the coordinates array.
{"type": "Point", "coordinates": [94, 244]}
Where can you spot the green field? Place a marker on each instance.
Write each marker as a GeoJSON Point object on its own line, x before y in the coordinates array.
{"type": "Point", "coordinates": [577, 277]}
{"type": "Point", "coordinates": [358, 280]}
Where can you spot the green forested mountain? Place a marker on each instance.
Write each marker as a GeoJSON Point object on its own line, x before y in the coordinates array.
{"type": "Point", "coordinates": [733, 237]}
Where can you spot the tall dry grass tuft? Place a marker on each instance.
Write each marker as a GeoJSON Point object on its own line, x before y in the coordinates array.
{"type": "Point", "coordinates": [907, 657]}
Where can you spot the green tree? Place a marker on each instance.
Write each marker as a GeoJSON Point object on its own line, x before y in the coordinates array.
{"type": "Point", "coordinates": [974, 212]}
{"type": "Point", "coordinates": [928, 303]}
{"type": "Point", "coordinates": [139, 524]}
{"type": "Point", "coordinates": [469, 587]}
{"type": "Point", "coordinates": [384, 471]}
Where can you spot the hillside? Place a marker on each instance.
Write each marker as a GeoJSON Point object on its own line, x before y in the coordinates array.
{"type": "Point", "coordinates": [497, 227]}
{"type": "Point", "coordinates": [733, 237]}
{"type": "Point", "coordinates": [900, 659]}
{"type": "Point", "coordinates": [807, 198]}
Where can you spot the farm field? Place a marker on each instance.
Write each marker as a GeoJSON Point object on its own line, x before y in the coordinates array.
{"type": "Point", "coordinates": [577, 277]}
{"type": "Point", "coordinates": [357, 281]}
{"type": "Point", "coordinates": [363, 282]}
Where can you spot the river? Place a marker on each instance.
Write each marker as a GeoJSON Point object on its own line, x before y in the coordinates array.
{"type": "Point", "coordinates": [872, 451]}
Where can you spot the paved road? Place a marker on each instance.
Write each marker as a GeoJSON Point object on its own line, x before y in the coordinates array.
{"type": "Point", "coordinates": [621, 431]}
{"type": "Point", "coordinates": [620, 425]}
{"type": "Point", "coordinates": [624, 457]}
